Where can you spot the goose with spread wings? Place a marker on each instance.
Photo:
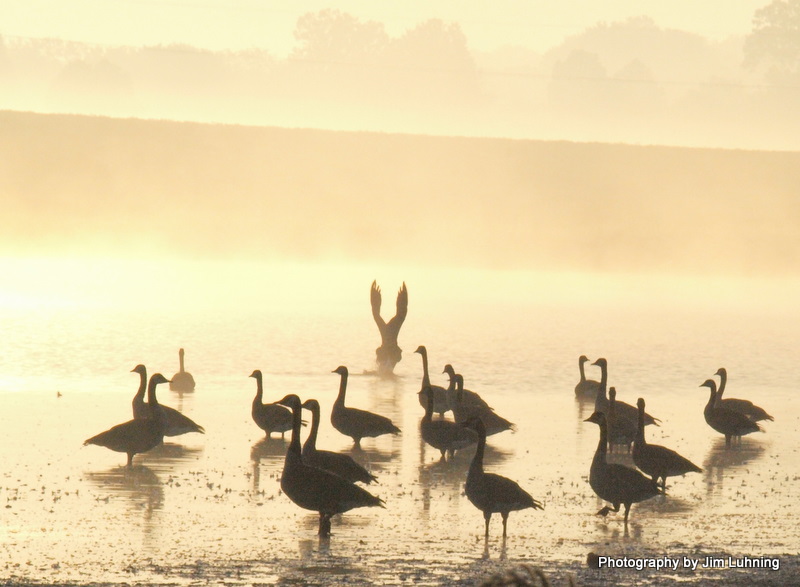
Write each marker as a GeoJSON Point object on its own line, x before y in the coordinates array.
{"type": "Point", "coordinates": [389, 353]}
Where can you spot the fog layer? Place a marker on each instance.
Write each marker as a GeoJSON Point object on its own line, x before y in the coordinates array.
{"type": "Point", "coordinates": [95, 185]}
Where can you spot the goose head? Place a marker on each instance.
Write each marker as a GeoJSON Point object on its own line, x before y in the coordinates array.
{"type": "Point", "coordinates": [291, 401]}
{"type": "Point", "coordinates": [582, 359]}
{"type": "Point", "coordinates": [640, 403]}
{"type": "Point", "coordinates": [710, 383]}
{"type": "Point", "coordinates": [341, 370]}
{"type": "Point", "coordinates": [601, 362]}
{"type": "Point", "coordinates": [255, 374]}
{"type": "Point", "coordinates": [421, 350]}
{"type": "Point", "coordinates": [157, 378]}
{"type": "Point", "coordinates": [449, 370]}
{"type": "Point", "coordinates": [140, 369]}
{"type": "Point", "coordinates": [598, 418]}
{"type": "Point", "coordinates": [311, 405]}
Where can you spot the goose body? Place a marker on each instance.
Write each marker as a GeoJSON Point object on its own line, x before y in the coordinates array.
{"type": "Point", "coordinates": [269, 417]}
{"type": "Point", "coordinates": [624, 410]}
{"type": "Point", "coordinates": [492, 422]}
{"type": "Point", "coordinates": [136, 436]}
{"type": "Point", "coordinates": [658, 461]}
{"type": "Point", "coordinates": [585, 388]}
{"type": "Point", "coordinates": [355, 423]}
{"type": "Point", "coordinates": [182, 380]}
{"type": "Point", "coordinates": [616, 483]}
{"type": "Point", "coordinates": [316, 489]}
{"type": "Point", "coordinates": [468, 397]}
{"type": "Point", "coordinates": [439, 393]}
{"type": "Point", "coordinates": [338, 463]}
{"type": "Point", "coordinates": [389, 353]}
{"type": "Point", "coordinates": [743, 406]}
{"type": "Point", "coordinates": [492, 493]}
{"type": "Point", "coordinates": [725, 421]}
{"type": "Point", "coordinates": [175, 423]}
{"type": "Point", "coordinates": [444, 435]}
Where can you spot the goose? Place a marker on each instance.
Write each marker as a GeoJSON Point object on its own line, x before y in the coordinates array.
{"type": "Point", "coordinates": [439, 393]}
{"type": "Point", "coordinates": [443, 435]}
{"type": "Point", "coordinates": [355, 423]}
{"type": "Point", "coordinates": [731, 424]}
{"type": "Point", "coordinates": [462, 412]}
{"type": "Point", "coordinates": [585, 388]}
{"type": "Point", "coordinates": [182, 380]}
{"type": "Point", "coordinates": [136, 436]}
{"type": "Point", "coordinates": [468, 397]}
{"type": "Point", "coordinates": [655, 460]}
{"type": "Point", "coordinates": [624, 410]}
{"type": "Point", "coordinates": [389, 353]}
{"type": "Point", "coordinates": [338, 463]}
{"type": "Point", "coordinates": [613, 482]}
{"type": "Point", "coordinates": [743, 406]}
{"type": "Point", "coordinates": [316, 489]}
{"type": "Point", "coordinates": [621, 430]}
{"type": "Point", "coordinates": [175, 423]}
{"type": "Point", "coordinates": [492, 493]}
{"type": "Point", "coordinates": [269, 417]}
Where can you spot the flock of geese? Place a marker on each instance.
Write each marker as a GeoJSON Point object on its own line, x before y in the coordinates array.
{"type": "Point", "coordinates": [623, 424]}
{"type": "Point", "coordinates": [326, 482]}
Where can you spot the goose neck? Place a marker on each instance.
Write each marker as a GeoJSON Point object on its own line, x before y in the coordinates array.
{"type": "Point", "coordinates": [342, 389]}
{"type": "Point", "coordinates": [142, 386]}
{"type": "Point", "coordinates": [426, 380]}
{"type": "Point", "coordinates": [297, 419]}
{"type": "Point", "coordinates": [581, 369]}
{"type": "Point", "coordinates": [640, 427]}
{"type": "Point", "coordinates": [259, 388]}
{"type": "Point", "coordinates": [311, 441]}
{"type": "Point", "coordinates": [600, 453]}
{"type": "Point", "coordinates": [476, 467]}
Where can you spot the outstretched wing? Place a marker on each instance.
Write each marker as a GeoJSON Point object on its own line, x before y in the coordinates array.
{"type": "Point", "coordinates": [402, 309]}
{"type": "Point", "coordinates": [375, 301]}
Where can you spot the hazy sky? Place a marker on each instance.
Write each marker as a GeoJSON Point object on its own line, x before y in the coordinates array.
{"type": "Point", "coordinates": [237, 24]}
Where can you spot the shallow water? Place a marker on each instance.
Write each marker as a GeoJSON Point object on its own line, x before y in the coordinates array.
{"type": "Point", "coordinates": [208, 508]}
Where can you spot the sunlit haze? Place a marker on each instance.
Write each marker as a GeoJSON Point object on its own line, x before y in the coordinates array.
{"type": "Point", "coordinates": [247, 194]}
{"type": "Point", "coordinates": [244, 24]}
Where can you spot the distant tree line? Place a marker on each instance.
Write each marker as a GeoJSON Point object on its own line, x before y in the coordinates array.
{"type": "Point", "coordinates": [628, 81]}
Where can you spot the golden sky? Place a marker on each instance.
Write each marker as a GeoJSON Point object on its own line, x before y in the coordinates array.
{"type": "Point", "coordinates": [238, 24]}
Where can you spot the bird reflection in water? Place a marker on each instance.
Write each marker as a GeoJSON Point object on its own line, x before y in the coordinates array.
{"type": "Point", "coordinates": [721, 458]}
{"type": "Point", "coordinates": [139, 486]}
{"type": "Point", "coordinates": [270, 450]}
{"type": "Point", "coordinates": [502, 555]}
{"type": "Point", "coordinates": [167, 454]}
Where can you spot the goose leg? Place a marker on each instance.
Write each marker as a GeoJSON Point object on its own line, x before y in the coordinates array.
{"type": "Point", "coordinates": [627, 509]}
{"type": "Point", "coordinates": [324, 525]}
{"type": "Point", "coordinates": [505, 522]}
{"type": "Point", "coordinates": [487, 516]}
{"type": "Point", "coordinates": [130, 460]}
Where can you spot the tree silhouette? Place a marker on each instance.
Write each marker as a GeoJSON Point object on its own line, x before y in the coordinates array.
{"type": "Point", "coordinates": [332, 36]}
{"type": "Point", "coordinates": [775, 41]}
